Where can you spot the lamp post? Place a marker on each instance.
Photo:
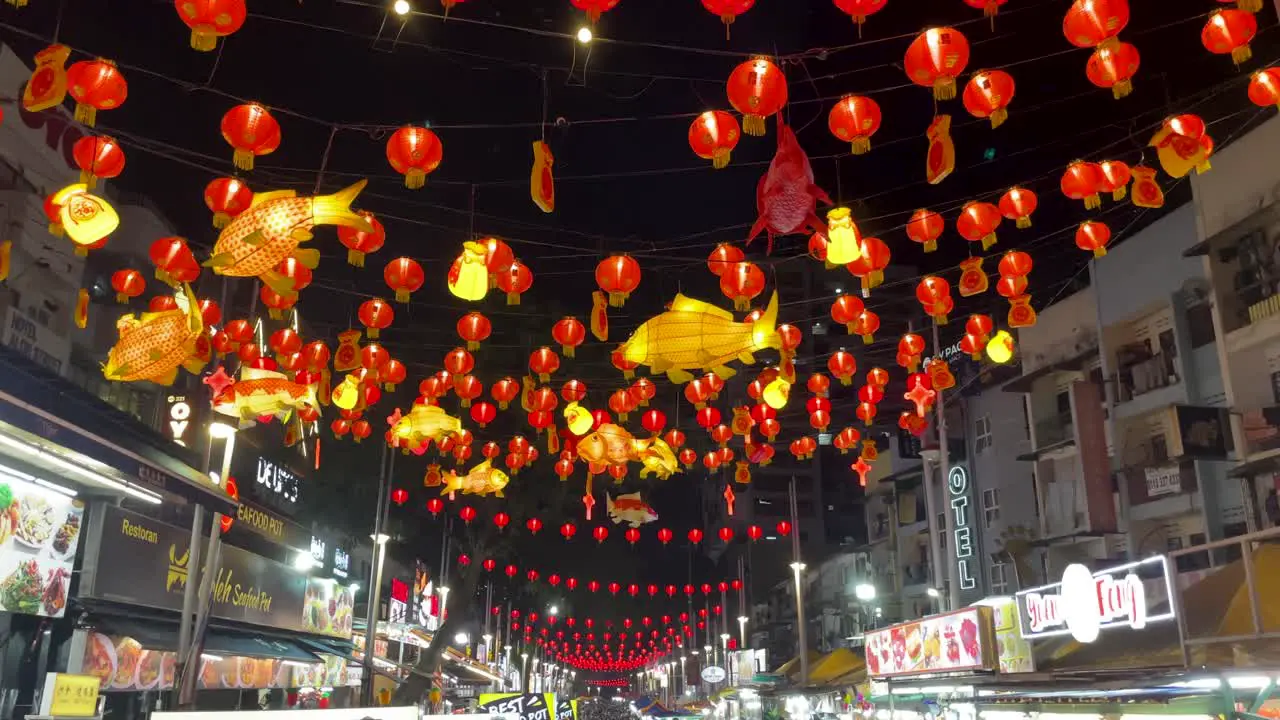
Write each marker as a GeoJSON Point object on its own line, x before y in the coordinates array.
{"type": "Point", "coordinates": [798, 569]}
{"type": "Point", "coordinates": [371, 617]}
{"type": "Point", "coordinates": [742, 630]}
{"type": "Point", "coordinates": [524, 672]}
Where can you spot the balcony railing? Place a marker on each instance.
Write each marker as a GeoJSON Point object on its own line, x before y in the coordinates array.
{"type": "Point", "coordinates": [1056, 429]}
{"type": "Point", "coordinates": [1261, 429]}
{"type": "Point", "coordinates": [1145, 376]}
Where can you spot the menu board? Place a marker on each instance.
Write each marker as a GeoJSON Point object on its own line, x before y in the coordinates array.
{"type": "Point", "coordinates": [953, 642]}
{"type": "Point", "coordinates": [39, 534]}
{"type": "Point", "coordinates": [1015, 651]}
{"type": "Point", "coordinates": [121, 664]}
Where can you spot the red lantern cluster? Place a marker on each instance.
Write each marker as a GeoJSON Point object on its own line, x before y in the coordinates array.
{"type": "Point", "coordinates": [1095, 24]}
{"type": "Point", "coordinates": [1014, 268]}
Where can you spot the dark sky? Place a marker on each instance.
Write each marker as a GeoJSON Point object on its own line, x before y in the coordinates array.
{"type": "Point", "coordinates": [343, 72]}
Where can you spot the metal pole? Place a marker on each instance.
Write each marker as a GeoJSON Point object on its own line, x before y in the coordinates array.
{"type": "Point", "coordinates": [187, 619]}
{"type": "Point", "coordinates": [375, 581]}
{"type": "Point", "coordinates": [1109, 396]}
{"type": "Point", "coordinates": [798, 567]}
{"type": "Point", "coordinates": [944, 469]}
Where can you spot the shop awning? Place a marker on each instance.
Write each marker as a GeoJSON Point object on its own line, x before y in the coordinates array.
{"type": "Point", "coordinates": [1217, 606]}
{"type": "Point", "coordinates": [160, 632]}
{"type": "Point", "coordinates": [792, 666]}
{"type": "Point", "coordinates": [45, 418]}
{"type": "Point", "coordinates": [833, 665]}
{"type": "Point", "coordinates": [221, 641]}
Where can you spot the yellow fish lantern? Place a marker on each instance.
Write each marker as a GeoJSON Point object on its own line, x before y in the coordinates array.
{"type": "Point", "coordinates": [423, 423]}
{"type": "Point", "coordinates": [153, 345]}
{"type": "Point", "coordinates": [542, 182]}
{"type": "Point", "coordinates": [483, 479]}
{"type": "Point", "coordinates": [258, 239]}
{"type": "Point", "coordinates": [696, 335]}
{"type": "Point", "coordinates": [469, 276]}
{"type": "Point", "coordinates": [86, 218]}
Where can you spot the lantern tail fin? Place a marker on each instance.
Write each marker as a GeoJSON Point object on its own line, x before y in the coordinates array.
{"type": "Point", "coordinates": [764, 331]}
{"type": "Point", "coordinates": [335, 209]}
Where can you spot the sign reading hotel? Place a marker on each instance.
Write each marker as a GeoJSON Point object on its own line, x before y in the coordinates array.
{"type": "Point", "coordinates": [960, 500]}
{"type": "Point", "coordinates": [1085, 603]}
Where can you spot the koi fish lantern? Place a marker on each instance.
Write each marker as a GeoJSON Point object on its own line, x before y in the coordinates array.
{"type": "Point", "coordinates": [86, 218]}
{"type": "Point", "coordinates": [611, 445]}
{"type": "Point", "coordinates": [697, 335]}
{"type": "Point", "coordinates": [153, 345]}
{"type": "Point", "coordinates": [260, 238]}
{"type": "Point", "coordinates": [483, 479]}
{"type": "Point", "coordinates": [787, 197]}
{"type": "Point", "coordinates": [259, 393]}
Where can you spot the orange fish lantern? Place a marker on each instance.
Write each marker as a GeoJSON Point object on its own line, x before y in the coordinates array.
{"type": "Point", "coordinates": [866, 325]}
{"type": "Point", "coordinates": [941, 158]}
{"type": "Point", "coordinates": [258, 239]}
{"type": "Point", "coordinates": [713, 135]}
{"type": "Point", "coordinates": [925, 227]}
{"type": "Point", "coordinates": [98, 156]}
{"type": "Point", "coordinates": [619, 276]}
{"type": "Point", "coordinates": [727, 10]}
{"type": "Point", "coordinates": [1229, 32]}
{"type": "Point", "coordinates": [95, 85]}
{"type": "Point", "coordinates": [1017, 204]}
{"type": "Point", "coordinates": [210, 20]}
{"type": "Point", "coordinates": [259, 394]}
{"type": "Point", "coordinates": [515, 280]}
{"type": "Point", "coordinates": [1264, 87]}
{"type": "Point", "coordinates": [860, 9]}
{"type": "Point", "coordinates": [542, 181]}
{"type": "Point", "coordinates": [1113, 66]}
{"type": "Point", "coordinates": [935, 58]}
{"type": "Point", "coordinates": [227, 197]}
{"type": "Point", "coordinates": [251, 131]}
{"type": "Point", "coordinates": [594, 8]}
{"type": "Point", "coordinates": [1183, 143]}
{"type": "Point", "coordinates": [988, 94]}
{"type": "Point", "coordinates": [1081, 181]}
{"type": "Point", "coordinates": [414, 152]}
{"type": "Point", "coordinates": [404, 276]}
{"type": "Point", "coordinates": [1093, 236]}
{"type": "Point", "coordinates": [1115, 178]}
{"type": "Point", "coordinates": [48, 84]}
{"type": "Point", "coordinates": [1146, 191]}
{"type": "Point", "coordinates": [86, 218]}
{"type": "Point", "coordinates": [978, 222]}
{"type": "Point", "coordinates": [152, 346]}
{"type": "Point", "coordinates": [569, 333]}
{"type": "Point", "coordinates": [742, 283]}
{"type": "Point", "coordinates": [360, 242]}
{"type": "Point", "coordinates": [757, 89]}
{"type": "Point", "coordinates": [854, 119]}
{"type": "Point", "coordinates": [376, 315]}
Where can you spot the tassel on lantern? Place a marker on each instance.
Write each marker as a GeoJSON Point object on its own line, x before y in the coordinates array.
{"type": "Point", "coordinates": [753, 125]}
{"type": "Point", "coordinates": [1251, 6]}
{"type": "Point", "coordinates": [1241, 54]}
{"type": "Point", "coordinates": [1024, 222]}
{"type": "Point", "coordinates": [1118, 194]}
{"type": "Point", "coordinates": [720, 160]}
{"type": "Point", "coordinates": [988, 240]}
{"type": "Point", "coordinates": [1122, 89]}
{"type": "Point", "coordinates": [415, 179]}
{"type": "Point", "coordinates": [275, 314]}
{"type": "Point", "coordinates": [355, 258]}
{"type": "Point", "coordinates": [1203, 167]}
{"type": "Point", "coordinates": [243, 159]}
{"type": "Point", "coordinates": [998, 117]}
{"type": "Point", "coordinates": [203, 40]}
{"type": "Point", "coordinates": [55, 228]}
{"type": "Point", "coordinates": [221, 220]}
{"type": "Point", "coordinates": [86, 115]}
{"type": "Point", "coordinates": [860, 145]}
{"type": "Point", "coordinates": [17, 3]}
{"type": "Point", "coordinates": [513, 298]}
{"type": "Point", "coordinates": [944, 88]}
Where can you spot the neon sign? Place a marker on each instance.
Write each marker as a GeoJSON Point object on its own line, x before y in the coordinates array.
{"type": "Point", "coordinates": [958, 490]}
{"type": "Point", "coordinates": [1085, 603]}
{"type": "Point", "coordinates": [179, 418]}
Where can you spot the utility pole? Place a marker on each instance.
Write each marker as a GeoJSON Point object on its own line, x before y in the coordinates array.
{"type": "Point", "coordinates": [944, 471]}
{"type": "Point", "coordinates": [375, 576]}
{"type": "Point", "coordinates": [797, 568]}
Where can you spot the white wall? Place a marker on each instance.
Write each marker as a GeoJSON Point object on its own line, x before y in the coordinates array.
{"type": "Point", "coordinates": [1148, 267]}
{"type": "Point", "coordinates": [1243, 179]}
{"type": "Point", "coordinates": [1058, 329]}
{"type": "Point", "coordinates": [998, 468]}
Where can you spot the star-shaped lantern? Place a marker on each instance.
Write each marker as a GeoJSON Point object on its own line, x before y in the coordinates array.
{"type": "Point", "coordinates": [921, 396]}
{"type": "Point", "coordinates": [862, 467]}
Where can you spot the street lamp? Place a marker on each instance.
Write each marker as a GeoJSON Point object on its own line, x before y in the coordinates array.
{"type": "Point", "coordinates": [461, 638]}
{"type": "Point", "coordinates": [444, 601]}
{"type": "Point", "coordinates": [524, 671]}
{"type": "Point", "coordinates": [865, 592]}
{"type": "Point", "coordinates": [797, 568]}
{"type": "Point", "coordinates": [742, 630]}
{"type": "Point", "coordinates": [553, 610]}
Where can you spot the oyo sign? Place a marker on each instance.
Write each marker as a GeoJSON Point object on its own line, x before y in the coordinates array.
{"type": "Point", "coordinates": [179, 418]}
{"type": "Point", "coordinates": [1085, 603]}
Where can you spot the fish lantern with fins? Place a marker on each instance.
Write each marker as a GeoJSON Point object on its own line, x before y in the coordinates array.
{"type": "Point", "coordinates": [695, 335]}
{"type": "Point", "coordinates": [258, 239]}
{"type": "Point", "coordinates": [786, 197]}
{"type": "Point", "coordinates": [153, 345]}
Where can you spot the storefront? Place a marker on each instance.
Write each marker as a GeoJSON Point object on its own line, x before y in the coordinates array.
{"type": "Point", "coordinates": [273, 625]}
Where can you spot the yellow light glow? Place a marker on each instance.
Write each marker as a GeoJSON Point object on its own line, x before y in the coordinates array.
{"type": "Point", "coordinates": [584, 35]}
{"type": "Point", "coordinates": [776, 393]}
{"type": "Point", "coordinates": [1000, 347]}
{"type": "Point", "coordinates": [844, 245]}
{"type": "Point", "coordinates": [578, 418]}
{"type": "Point", "coordinates": [86, 217]}
{"type": "Point", "coordinates": [469, 277]}
{"type": "Point", "coordinates": [401, 7]}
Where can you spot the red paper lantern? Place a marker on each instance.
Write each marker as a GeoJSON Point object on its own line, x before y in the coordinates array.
{"type": "Point", "coordinates": [414, 152]}
{"type": "Point", "coordinates": [695, 536]}
{"type": "Point", "coordinates": [467, 513]}
{"type": "Point", "coordinates": [483, 413]}
{"type": "Point", "coordinates": [818, 384]}
{"type": "Point", "coordinates": [568, 530]}
{"type": "Point", "coordinates": [533, 524]}
{"type": "Point", "coordinates": [376, 315]}
{"type": "Point", "coordinates": [1264, 87]}
{"type": "Point", "coordinates": [594, 8]}
{"type": "Point", "coordinates": [925, 227]}
{"type": "Point", "coordinates": [511, 571]}
{"type": "Point", "coordinates": [935, 58]}
{"type": "Point", "coordinates": [723, 257]}
{"type": "Point", "coordinates": [632, 535]}
{"type": "Point", "coordinates": [98, 156]}
{"type": "Point", "coordinates": [713, 135]}
{"type": "Point", "coordinates": [784, 528]}
{"type": "Point", "coordinates": [1015, 263]}
{"type": "Point", "coordinates": [845, 310]}
{"type": "Point", "coordinates": [854, 119]}
{"type": "Point", "coordinates": [741, 283]}
{"type": "Point", "coordinates": [654, 421]}
{"type": "Point", "coordinates": [754, 532]}
{"type": "Point", "coordinates": [600, 533]}
{"type": "Point", "coordinates": [978, 222]}
{"type": "Point", "coordinates": [128, 284]}
{"type": "Point", "coordinates": [757, 89]}
{"type": "Point", "coordinates": [1115, 178]}
{"type": "Point", "coordinates": [1230, 32]}
{"type": "Point", "coordinates": [227, 197]}
{"type": "Point", "coordinates": [1089, 23]}
{"type": "Point", "coordinates": [489, 564]}
{"type": "Point", "coordinates": [989, 8]}
{"type": "Point", "coordinates": [619, 276]}
{"type": "Point", "coordinates": [474, 328]}
{"type": "Point", "coordinates": [95, 85]}
{"type": "Point", "coordinates": [514, 280]}
{"type": "Point", "coordinates": [988, 94]}
{"type": "Point", "coordinates": [501, 520]}
{"type": "Point", "coordinates": [210, 20]}
{"type": "Point", "coordinates": [1113, 66]}
{"type": "Point", "coordinates": [1017, 204]}
{"type": "Point", "coordinates": [504, 391]}
{"type": "Point", "coordinates": [727, 10]}
{"type": "Point", "coordinates": [1093, 236]}
{"type": "Point", "coordinates": [360, 243]}
{"type": "Point", "coordinates": [1081, 182]}
{"type": "Point", "coordinates": [435, 505]}
{"type": "Point", "coordinates": [404, 276]}
{"type": "Point", "coordinates": [251, 131]}
{"type": "Point", "coordinates": [860, 9]}
{"type": "Point", "coordinates": [842, 365]}
{"type": "Point", "coordinates": [544, 362]}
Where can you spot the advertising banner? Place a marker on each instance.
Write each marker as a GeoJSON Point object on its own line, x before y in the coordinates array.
{"type": "Point", "coordinates": [951, 642]}
{"type": "Point", "coordinates": [529, 706]}
{"type": "Point", "coordinates": [1085, 602]}
{"type": "Point", "coordinates": [139, 561]}
{"type": "Point", "coordinates": [39, 534]}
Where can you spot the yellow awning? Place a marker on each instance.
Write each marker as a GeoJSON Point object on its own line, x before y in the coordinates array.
{"type": "Point", "coordinates": [792, 666]}
{"type": "Point", "coordinates": [838, 662]}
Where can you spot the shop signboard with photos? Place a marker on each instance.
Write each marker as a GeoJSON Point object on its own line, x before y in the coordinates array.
{"type": "Point", "coordinates": [135, 560]}
{"type": "Point", "coordinates": [122, 664]}
{"type": "Point", "coordinates": [528, 706]}
{"type": "Point", "coordinates": [39, 534]}
{"type": "Point", "coordinates": [960, 641]}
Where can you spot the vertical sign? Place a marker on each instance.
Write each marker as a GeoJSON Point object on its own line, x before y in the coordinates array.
{"type": "Point", "coordinates": [179, 418]}
{"type": "Point", "coordinates": [966, 542]}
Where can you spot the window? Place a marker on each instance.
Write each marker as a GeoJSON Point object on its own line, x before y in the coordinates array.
{"type": "Point", "coordinates": [1063, 401]}
{"type": "Point", "coordinates": [990, 506]}
{"type": "Point", "coordinates": [999, 581]}
{"type": "Point", "coordinates": [942, 531]}
{"type": "Point", "coordinates": [982, 431]}
{"type": "Point", "coordinates": [1200, 324]}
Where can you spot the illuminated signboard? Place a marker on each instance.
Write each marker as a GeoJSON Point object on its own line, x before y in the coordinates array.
{"type": "Point", "coordinates": [279, 480]}
{"type": "Point", "coordinates": [341, 562]}
{"type": "Point", "coordinates": [398, 605]}
{"type": "Point", "coordinates": [317, 550]}
{"type": "Point", "coordinates": [958, 492]}
{"type": "Point", "coordinates": [951, 642]}
{"type": "Point", "coordinates": [179, 418]}
{"type": "Point", "coordinates": [1085, 603]}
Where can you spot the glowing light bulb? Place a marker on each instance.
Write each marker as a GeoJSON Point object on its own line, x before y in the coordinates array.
{"type": "Point", "coordinates": [584, 35]}
{"type": "Point", "coordinates": [401, 7]}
